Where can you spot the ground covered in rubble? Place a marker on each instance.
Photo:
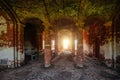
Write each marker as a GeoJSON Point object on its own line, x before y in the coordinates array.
{"type": "Point", "coordinates": [63, 69]}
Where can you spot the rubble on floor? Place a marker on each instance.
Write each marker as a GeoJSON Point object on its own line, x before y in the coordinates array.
{"type": "Point", "coordinates": [63, 69]}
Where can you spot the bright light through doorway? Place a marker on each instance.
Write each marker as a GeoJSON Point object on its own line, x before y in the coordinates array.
{"type": "Point", "coordinates": [65, 43]}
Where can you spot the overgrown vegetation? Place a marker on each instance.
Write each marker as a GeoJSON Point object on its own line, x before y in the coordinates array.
{"type": "Point", "coordinates": [77, 9]}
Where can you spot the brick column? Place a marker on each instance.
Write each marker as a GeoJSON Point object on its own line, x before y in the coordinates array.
{"type": "Point", "coordinates": [79, 58]}
{"type": "Point", "coordinates": [47, 55]}
{"type": "Point", "coordinates": [20, 44]}
{"type": "Point", "coordinates": [73, 43]}
{"type": "Point", "coordinates": [47, 50]}
{"type": "Point", "coordinates": [56, 42]}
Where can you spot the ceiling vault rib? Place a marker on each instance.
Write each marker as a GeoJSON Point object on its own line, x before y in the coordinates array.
{"type": "Point", "coordinates": [46, 10]}
{"type": "Point", "coordinates": [9, 7]}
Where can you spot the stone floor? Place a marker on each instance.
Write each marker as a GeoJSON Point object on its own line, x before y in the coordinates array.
{"type": "Point", "coordinates": [63, 69]}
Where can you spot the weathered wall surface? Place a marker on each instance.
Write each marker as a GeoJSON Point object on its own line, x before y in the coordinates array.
{"type": "Point", "coordinates": [20, 44]}
{"type": "Point", "coordinates": [109, 50]}
{"type": "Point", "coordinates": [118, 56]}
{"type": "Point", "coordinates": [86, 49]}
{"type": "Point", "coordinates": [11, 45]}
{"type": "Point", "coordinates": [6, 40]}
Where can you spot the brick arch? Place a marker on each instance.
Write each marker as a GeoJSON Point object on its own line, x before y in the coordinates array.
{"type": "Point", "coordinates": [64, 23]}
{"type": "Point", "coordinates": [12, 35]}
{"type": "Point", "coordinates": [64, 34]}
{"type": "Point", "coordinates": [35, 22]}
{"type": "Point", "coordinates": [33, 32]}
{"type": "Point", "coordinates": [97, 34]}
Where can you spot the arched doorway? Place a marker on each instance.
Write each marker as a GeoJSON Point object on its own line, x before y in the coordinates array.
{"type": "Point", "coordinates": [97, 32]}
{"type": "Point", "coordinates": [30, 41]}
{"type": "Point", "coordinates": [64, 40]}
{"type": "Point", "coordinates": [32, 38]}
{"type": "Point", "coordinates": [65, 31]}
{"type": "Point", "coordinates": [65, 34]}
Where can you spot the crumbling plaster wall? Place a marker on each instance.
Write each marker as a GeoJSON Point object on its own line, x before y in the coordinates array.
{"type": "Point", "coordinates": [11, 45]}
{"type": "Point", "coordinates": [110, 50]}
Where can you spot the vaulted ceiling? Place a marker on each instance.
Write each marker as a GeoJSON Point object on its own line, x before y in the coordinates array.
{"type": "Point", "coordinates": [50, 10]}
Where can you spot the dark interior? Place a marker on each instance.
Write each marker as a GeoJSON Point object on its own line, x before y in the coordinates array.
{"type": "Point", "coordinates": [30, 42]}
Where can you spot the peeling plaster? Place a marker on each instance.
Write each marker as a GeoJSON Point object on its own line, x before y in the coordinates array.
{"type": "Point", "coordinates": [8, 54]}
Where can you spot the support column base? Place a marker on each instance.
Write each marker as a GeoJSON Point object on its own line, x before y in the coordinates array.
{"type": "Point", "coordinates": [78, 66]}
{"type": "Point", "coordinates": [47, 65]}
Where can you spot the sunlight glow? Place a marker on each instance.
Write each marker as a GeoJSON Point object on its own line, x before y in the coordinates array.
{"type": "Point", "coordinates": [75, 47]}
{"type": "Point", "coordinates": [53, 45]}
{"type": "Point", "coordinates": [75, 44]}
{"type": "Point", "coordinates": [65, 43]}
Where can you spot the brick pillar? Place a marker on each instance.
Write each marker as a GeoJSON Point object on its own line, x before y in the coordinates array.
{"type": "Point", "coordinates": [73, 43]}
{"type": "Point", "coordinates": [47, 50]}
{"type": "Point", "coordinates": [20, 44]}
{"type": "Point", "coordinates": [56, 42]}
{"type": "Point", "coordinates": [79, 58]}
{"type": "Point", "coordinates": [47, 56]}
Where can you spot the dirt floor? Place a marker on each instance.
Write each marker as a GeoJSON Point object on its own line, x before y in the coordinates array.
{"type": "Point", "coordinates": [63, 69]}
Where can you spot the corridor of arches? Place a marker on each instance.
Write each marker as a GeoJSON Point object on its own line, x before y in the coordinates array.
{"type": "Point", "coordinates": [69, 30]}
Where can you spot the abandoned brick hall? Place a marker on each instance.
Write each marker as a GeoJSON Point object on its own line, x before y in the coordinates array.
{"type": "Point", "coordinates": [56, 35]}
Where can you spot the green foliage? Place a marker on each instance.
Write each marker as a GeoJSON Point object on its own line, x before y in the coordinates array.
{"type": "Point", "coordinates": [105, 11]}
{"type": "Point", "coordinates": [77, 9]}
{"type": "Point", "coordinates": [70, 8]}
